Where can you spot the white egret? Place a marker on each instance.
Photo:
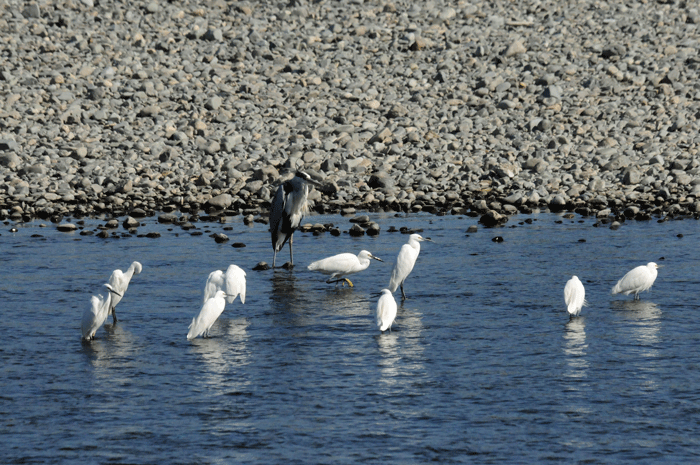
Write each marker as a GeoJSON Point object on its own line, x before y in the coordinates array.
{"type": "Point", "coordinates": [287, 211]}
{"type": "Point", "coordinates": [215, 283]}
{"type": "Point", "coordinates": [209, 313]}
{"type": "Point", "coordinates": [120, 283]}
{"type": "Point", "coordinates": [341, 265]}
{"type": "Point", "coordinates": [574, 296]}
{"type": "Point", "coordinates": [637, 280]}
{"type": "Point", "coordinates": [97, 313]}
{"type": "Point", "coordinates": [405, 261]}
{"type": "Point", "coordinates": [233, 283]}
{"type": "Point", "coordinates": [386, 310]}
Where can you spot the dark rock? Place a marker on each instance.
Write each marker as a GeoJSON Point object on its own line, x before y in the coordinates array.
{"type": "Point", "coordinates": [356, 230]}
{"type": "Point", "coordinates": [66, 227]}
{"type": "Point", "coordinates": [220, 238]}
{"type": "Point", "coordinates": [130, 222]}
{"type": "Point", "coordinates": [492, 219]}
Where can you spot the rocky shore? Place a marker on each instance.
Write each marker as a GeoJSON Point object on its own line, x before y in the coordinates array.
{"type": "Point", "coordinates": [479, 108]}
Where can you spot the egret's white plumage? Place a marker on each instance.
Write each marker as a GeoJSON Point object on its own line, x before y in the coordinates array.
{"type": "Point", "coordinates": [344, 264]}
{"type": "Point", "coordinates": [233, 283]}
{"type": "Point", "coordinates": [287, 211]}
{"type": "Point", "coordinates": [215, 283]}
{"type": "Point", "coordinates": [574, 296]}
{"type": "Point", "coordinates": [637, 280]}
{"type": "Point", "coordinates": [405, 261]}
{"type": "Point", "coordinates": [97, 313]}
{"type": "Point", "coordinates": [209, 313]}
{"type": "Point", "coordinates": [120, 283]}
{"type": "Point", "coordinates": [386, 310]}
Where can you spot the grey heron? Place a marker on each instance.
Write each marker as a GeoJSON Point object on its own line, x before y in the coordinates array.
{"type": "Point", "coordinates": [287, 211]}
{"type": "Point", "coordinates": [344, 264]}
{"type": "Point", "coordinates": [405, 261]}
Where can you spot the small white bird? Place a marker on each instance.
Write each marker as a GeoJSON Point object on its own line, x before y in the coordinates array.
{"type": "Point", "coordinates": [344, 264]}
{"type": "Point", "coordinates": [637, 280]}
{"type": "Point", "coordinates": [574, 296]}
{"type": "Point", "coordinates": [405, 261]}
{"type": "Point", "coordinates": [97, 313]}
{"type": "Point", "coordinates": [210, 312]}
{"type": "Point", "coordinates": [120, 283]}
{"type": "Point", "coordinates": [233, 283]}
{"type": "Point", "coordinates": [386, 310]}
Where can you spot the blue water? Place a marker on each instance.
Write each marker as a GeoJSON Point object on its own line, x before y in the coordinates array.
{"type": "Point", "coordinates": [483, 364]}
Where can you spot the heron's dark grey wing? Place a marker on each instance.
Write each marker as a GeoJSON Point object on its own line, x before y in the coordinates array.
{"type": "Point", "coordinates": [277, 218]}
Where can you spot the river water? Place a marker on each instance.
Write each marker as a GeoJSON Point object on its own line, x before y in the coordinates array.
{"type": "Point", "coordinates": [483, 364]}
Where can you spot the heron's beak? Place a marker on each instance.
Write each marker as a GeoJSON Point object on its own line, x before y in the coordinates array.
{"type": "Point", "coordinates": [659, 266]}
{"type": "Point", "coordinates": [115, 292]}
{"type": "Point", "coordinates": [376, 258]}
{"type": "Point", "coordinates": [429, 240]}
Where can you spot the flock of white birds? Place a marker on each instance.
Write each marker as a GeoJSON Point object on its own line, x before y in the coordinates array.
{"type": "Point", "coordinates": [221, 288]}
{"type": "Point", "coordinates": [637, 280]}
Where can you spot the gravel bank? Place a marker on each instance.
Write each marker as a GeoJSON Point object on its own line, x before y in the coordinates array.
{"type": "Point", "coordinates": [483, 108]}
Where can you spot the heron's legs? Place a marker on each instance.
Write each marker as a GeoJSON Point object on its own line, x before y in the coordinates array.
{"type": "Point", "coordinates": [291, 253]}
{"type": "Point", "coordinates": [114, 315]}
{"type": "Point", "coordinates": [274, 257]}
{"type": "Point", "coordinates": [403, 294]}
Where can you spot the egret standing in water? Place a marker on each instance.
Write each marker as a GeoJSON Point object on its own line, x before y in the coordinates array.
{"type": "Point", "coordinates": [120, 283]}
{"type": "Point", "coordinates": [95, 316]}
{"type": "Point", "coordinates": [233, 283]}
{"type": "Point", "coordinates": [344, 264]}
{"type": "Point", "coordinates": [287, 211]}
{"type": "Point", "coordinates": [386, 310]}
{"type": "Point", "coordinates": [405, 261]}
{"type": "Point", "coordinates": [574, 296]}
{"type": "Point", "coordinates": [208, 315]}
{"type": "Point", "coordinates": [637, 280]}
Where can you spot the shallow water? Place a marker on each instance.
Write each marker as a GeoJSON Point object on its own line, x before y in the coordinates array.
{"type": "Point", "coordinates": [483, 363]}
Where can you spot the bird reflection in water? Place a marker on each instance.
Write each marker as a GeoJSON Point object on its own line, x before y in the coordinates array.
{"type": "Point", "coordinates": [223, 356]}
{"type": "Point", "coordinates": [575, 347]}
{"type": "Point", "coordinates": [644, 324]}
{"type": "Point", "coordinates": [647, 321]}
{"type": "Point", "coordinates": [401, 352]}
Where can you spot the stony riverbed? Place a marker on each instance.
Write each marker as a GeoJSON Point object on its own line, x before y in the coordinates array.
{"type": "Point", "coordinates": [487, 108]}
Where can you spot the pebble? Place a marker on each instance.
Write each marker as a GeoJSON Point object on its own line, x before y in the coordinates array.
{"type": "Point", "coordinates": [456, 108]}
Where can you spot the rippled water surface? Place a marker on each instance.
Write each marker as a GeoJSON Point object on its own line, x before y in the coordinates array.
{"type": "Point", "coordinates": [483, 364]}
